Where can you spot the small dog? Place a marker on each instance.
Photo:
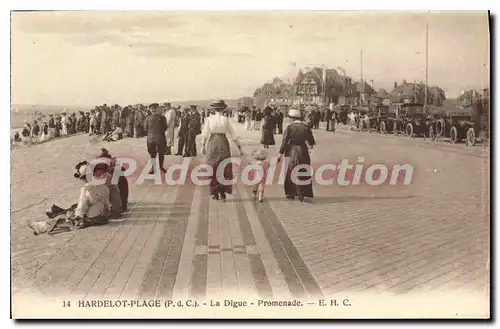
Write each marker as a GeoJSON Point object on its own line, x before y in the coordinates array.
{"type": "Point", "coordinates": [259, 157]}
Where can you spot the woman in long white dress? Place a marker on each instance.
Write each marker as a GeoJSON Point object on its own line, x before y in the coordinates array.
{"type": "Point", "coordinates": [64, 124]}
{"type": "Point", "coordinates": [215, 145]}
{"type": "Point", "coordinates": [248, 120]}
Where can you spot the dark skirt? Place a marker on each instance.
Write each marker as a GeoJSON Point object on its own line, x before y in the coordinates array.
{"type": "Point", "coordinates": [298, 155]}
{"type": "Point", "coordinates": [217, 151]}
{"type": "Point", "coordinates": [267, 136]}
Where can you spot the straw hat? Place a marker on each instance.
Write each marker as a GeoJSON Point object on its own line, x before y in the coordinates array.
{"type": "Point", "coordinates": [219, 105]}
{"type": "Point", "coordinates": [259, 154]}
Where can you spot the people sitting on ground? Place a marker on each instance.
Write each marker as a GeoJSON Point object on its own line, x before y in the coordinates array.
{"type": "Point", "coordinates": [115, 134]}
{"type": "Point", "coordinates": [26, 132]}
{"type": "Point", "coordinates": [122, 180]}
{"type": "Point", "coordinates": [45, 132]}
{"type": "Point", "coordinates": [93, 207]}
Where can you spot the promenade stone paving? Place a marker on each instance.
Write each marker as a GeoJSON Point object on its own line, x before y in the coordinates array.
{"type": "Point", "coordinates": [175, 242]}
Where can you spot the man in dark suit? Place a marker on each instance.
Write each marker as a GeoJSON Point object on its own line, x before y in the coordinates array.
{"type": "Point", "coordinates": [183, 133]}
{"type": "Point", "coordinates": [279, 121]}
{"type": "Point", "coordinates": [194, 129]}
{"type": "Point", "coordinates": [155, 126]}
{"type": "Point", "coordinates": [253, 116]}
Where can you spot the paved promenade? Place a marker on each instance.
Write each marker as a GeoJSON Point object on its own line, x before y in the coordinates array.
{"type": "Point", "coordinates": [175, 242]}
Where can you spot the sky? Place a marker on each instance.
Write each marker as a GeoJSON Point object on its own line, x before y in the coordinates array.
{"type": "Point", "coordinates": [88, 58]}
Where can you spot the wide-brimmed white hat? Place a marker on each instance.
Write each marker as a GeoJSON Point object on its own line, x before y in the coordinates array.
{"type": "Point", "coordinates": [294, 113]}
{"type": "Point", "coordinates": [83, 170]}
{"type": "Point", "coordinates": [259, 154]}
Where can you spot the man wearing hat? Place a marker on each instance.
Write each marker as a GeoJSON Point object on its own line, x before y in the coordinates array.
{"type": "Point", "coordinates": [58, 126]}
{"type": "Point", "coordinates": [253, 116]}
{"type": "Point", "coordinates": [52, 125]}
{"type": "Point", "coordinates": [279, 120]}
{"type": "Point", "coordinates": [194, 129]}
{"type": "Point", "coordinates": [183, 133]}
{"type": "Point", "coordinates": [35, 132]}
{"type": "Point", "coordinates": [104, 117]}
{"type": "Point", "coordinates": [138, 122]}
{"type": "Point", "coordinates": [129, 122]}
{"type": "Point", "coordinates": [171, 117]}
{"type": "Point", "coordinates": [155, 126]}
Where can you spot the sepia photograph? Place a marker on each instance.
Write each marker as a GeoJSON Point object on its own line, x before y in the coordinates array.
{"type": "Point", "coordinates": [250, 164]}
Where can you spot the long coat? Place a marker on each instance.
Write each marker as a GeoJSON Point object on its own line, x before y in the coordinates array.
{"type": "Point", "coordinates": [268, 130]}
{"type": "Point", "coordinates": [294, 146]}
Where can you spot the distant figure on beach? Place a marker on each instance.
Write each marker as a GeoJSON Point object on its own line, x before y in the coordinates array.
{"type": "Point", "coordinates": [64, 124]}
{"type": "Point", "coordinates": [171, 117]}
{"type": "Point", "coordinates": [93, 123]}
{"type": "Point", "coordinates": [45, 132]}
{"type": "Point", "coordinates": [35, 132]}
{"type": "Point", "coordinates": [248, 119]}
{"type": "Point", "coordinates": [194, 129]}
{"type": "Point", "coordinates": [139, 122]}
{"type": "Point", "coordinates": [279, 117]}
{"type": "Point", "coordinates": [183, 133]}
{"type": "Point", "coordinates": [268, 128]}
{"type": "Point", "coordinates": [26, 133]}
{"type": "Point", "coordinates": [115, 134]}
{"type": "Point", "coordinates": [130, 123]}
{"type": "Point", "coordinates": [58, 127]}
{"type": "Point", "coordinates": [17, 137]}
{"type": "Point", "coordinates": [52, 125]}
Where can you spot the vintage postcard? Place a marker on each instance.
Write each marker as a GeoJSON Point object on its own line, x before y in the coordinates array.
{"type": "Point", "coordinates": [260, 164]}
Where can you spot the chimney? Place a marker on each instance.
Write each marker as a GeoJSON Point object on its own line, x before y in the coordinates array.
{"type": "Point", "coordinates": [395, 84]}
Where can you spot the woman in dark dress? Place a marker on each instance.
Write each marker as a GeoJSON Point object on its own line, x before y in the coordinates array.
{"type": "Point", "coordinates": [268, 128]}
{"type": "Point", "coordinates": [298, 136]}
{"type": "Point", "coordinates": [215, 145]}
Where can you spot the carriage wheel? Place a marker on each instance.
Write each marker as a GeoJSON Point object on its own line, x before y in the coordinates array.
{"type": "Point", "coordinates": [471, 137]}
{"type": "Point", "coordinates": [382, 128]}
{"type": "Point", "coordinates": [440, 124]}
{"type": "Point", "coordinates": [453, 135]}
{"type": "Point", "coordinates": [409, 130]}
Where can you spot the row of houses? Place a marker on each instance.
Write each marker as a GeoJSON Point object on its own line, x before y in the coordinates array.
{"type": "Point", "coordinates": [468, 97]}
{"type": "Point", "coordinates": [315, 87]}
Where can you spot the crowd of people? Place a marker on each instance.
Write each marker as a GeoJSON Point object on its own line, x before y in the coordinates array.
{"type": "Point", "coordinates": [255, 118]}
{"type": "Point", "coordinates": [109, 123]}
{"type": "Point", "coordinates": [100, 202]}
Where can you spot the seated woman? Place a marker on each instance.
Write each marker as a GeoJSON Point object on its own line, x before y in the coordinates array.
{"type": "Point", "coordinates": [122, 181]}
{"type": "Point", "coordinates": [117, 133]}
{"type": "Point", "coordinates": [93, 206]}
{"type": "Point", "coordinates": [17, 137]}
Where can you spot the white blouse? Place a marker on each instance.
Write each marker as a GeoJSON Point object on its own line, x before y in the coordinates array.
{"type": "Point", "coordinates": [218, 124]}
{"type": "Point", "coordinates": [94, 201]}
